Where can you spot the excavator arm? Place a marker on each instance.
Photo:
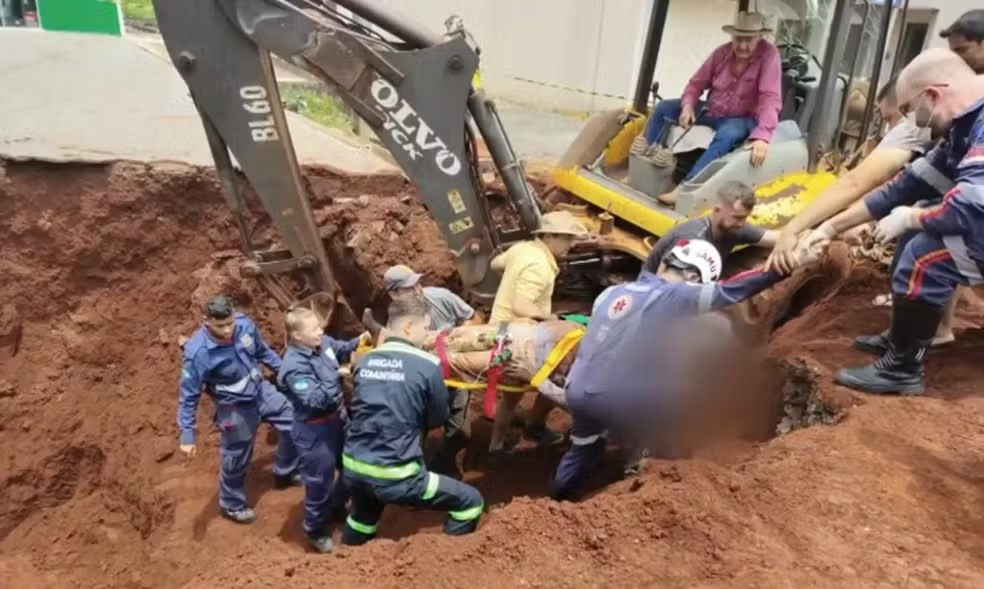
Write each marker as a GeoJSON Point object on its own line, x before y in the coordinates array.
{"type": "Point", "coordinates": [413, 88]}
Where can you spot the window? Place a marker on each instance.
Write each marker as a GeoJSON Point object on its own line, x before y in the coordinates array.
{"type": "Point", "coordinates": [913, 41]}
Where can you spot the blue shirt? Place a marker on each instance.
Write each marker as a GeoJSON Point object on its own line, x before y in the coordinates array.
{"type": "Point", "coordinates": [309, 377]}
{"type": "Point", "coordinates": [229, 372]}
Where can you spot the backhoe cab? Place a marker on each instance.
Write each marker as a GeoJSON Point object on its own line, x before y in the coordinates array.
{"type": "Point", "coordinates": [611, 167]}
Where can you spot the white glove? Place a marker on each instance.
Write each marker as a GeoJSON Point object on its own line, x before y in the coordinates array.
{"type": "Point", "coordinates": [900, 220]}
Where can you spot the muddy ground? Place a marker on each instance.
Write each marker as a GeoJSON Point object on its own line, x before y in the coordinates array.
{"type": "Point", "coordinates": [101, 273]}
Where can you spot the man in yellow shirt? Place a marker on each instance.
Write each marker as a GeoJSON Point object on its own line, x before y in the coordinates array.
{"type": "Point", "coordinates": [529, 270]}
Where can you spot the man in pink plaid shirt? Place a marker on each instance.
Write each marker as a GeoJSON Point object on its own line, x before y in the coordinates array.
{"type": "Point", "coordinates": [744, 79]}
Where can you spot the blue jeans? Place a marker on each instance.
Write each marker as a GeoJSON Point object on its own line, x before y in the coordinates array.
{"type": "Point", "coordinates": [728, 132]}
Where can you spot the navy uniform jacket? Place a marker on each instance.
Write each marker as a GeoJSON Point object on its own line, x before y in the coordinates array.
{"type": "Point", "coordinates": [628, 348]}
{"type": "Point", "coordinates": [230, 372]}
{"type": "Point", "coordinates": [399, 395]}
{"type": "Point", "coordinates": [309, 377]}
{"type": "Point", "coordinates": [954, 170]}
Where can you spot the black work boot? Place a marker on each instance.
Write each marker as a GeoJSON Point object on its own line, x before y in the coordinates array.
{"type": "Point", "coordinates": [286, 481]}
{"type": "Point", "coordinates": [873, 344]}
{"type": "Point", "coordinates": [900, 369]}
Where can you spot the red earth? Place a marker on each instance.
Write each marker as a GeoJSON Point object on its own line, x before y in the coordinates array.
{"type": "Point", "coordinates": [103, 270]}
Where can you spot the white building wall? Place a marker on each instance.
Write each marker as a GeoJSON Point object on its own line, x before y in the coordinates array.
{"type": "Point", "coordinates": [559, 54]}
{"type": "Point", "coordinates": [946, 11]}
{"type": "Point", "coordinates": [583, 55]}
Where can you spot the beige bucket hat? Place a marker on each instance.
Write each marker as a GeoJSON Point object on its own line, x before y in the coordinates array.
{"type": "Point", "coordinates": [561, 223]}
{"type": "Point", "coordinates": [748, 24]}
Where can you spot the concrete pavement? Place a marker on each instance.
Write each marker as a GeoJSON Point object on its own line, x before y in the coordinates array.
{"type": "Point", "coordinates": [96, 98]}
{"type": "Point", "coordinates": [536, 134]}
{"type": "Point", "coordinates": [76, 97]}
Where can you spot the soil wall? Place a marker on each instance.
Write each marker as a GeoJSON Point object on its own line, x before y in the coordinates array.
{"type": "Point", "coordinates": [100, 277]}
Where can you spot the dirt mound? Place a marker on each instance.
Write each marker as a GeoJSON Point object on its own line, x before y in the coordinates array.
{"type": "Point", "coordinates": [102, 272]}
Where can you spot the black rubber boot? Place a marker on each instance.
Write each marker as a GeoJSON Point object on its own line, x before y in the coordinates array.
{"type": "Point", "coordinates": [900, 369]}
{"type": "Point", "coordinates": [874, 344]}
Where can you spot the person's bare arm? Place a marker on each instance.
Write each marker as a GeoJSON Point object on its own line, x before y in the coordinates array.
{"type": "Point", "coordinates": [525, 308]}
{"type": "Point", "coordinates": [769, 238]}
{"type": "Point", "coordinates": [874, 170]}
{"type": "Point", "coordinates": [855, 215]}
{"type": "Point", "coordinates": [531, 283]}
{"type": "Point", "coordinates": [498, 263]}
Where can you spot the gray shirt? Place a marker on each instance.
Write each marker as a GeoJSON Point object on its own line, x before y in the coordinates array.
{"type": "Point", "coordinates": [446, 308]}
{"type": "Point", "coordinates": [700, 228]}
{"type": "Point", "coordinates": [906, 135]}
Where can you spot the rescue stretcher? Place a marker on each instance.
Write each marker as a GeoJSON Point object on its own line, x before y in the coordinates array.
{"type": "Point", "coordinates": [474, 357]}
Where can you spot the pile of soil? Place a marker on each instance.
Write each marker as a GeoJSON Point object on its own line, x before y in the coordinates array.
{"type": "Point", "coordinates": [103, 269]}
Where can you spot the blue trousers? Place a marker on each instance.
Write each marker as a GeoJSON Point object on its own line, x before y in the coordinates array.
{"type": "Point", "coordinates": [237, 424]}
{"type": "Point", "coordinates": [588, 442]}
{"type": "Point", "coordinates": [319, 445]}
{"type": "Point", "coordinates": [728, 132]}
{"type": "Point", "coordinates": [636, 419]}
{"type": "Point", "coordinates": [463, 502]}
{"type": "Point", "coordinates": [930, 268]}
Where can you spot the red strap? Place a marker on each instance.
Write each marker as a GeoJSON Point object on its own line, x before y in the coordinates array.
{"type": "Point", "coordinates": [492, 386]}
{"type": "Point", "coordinates": [490, 391]}
{"type": "Point", "coordinates": [441, 347]}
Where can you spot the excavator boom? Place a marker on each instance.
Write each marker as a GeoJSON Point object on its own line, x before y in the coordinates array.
{"type": "Point", "coordinates": [414, 92]}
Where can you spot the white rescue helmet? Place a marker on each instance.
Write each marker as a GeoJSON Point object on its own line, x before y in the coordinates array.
{"type": "Point", "coordinates": [696, 255]}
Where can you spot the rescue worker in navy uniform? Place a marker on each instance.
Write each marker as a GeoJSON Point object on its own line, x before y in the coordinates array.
{"type": "Point", "coordinates": [447, 310]}
{"type": "Point", "coordinates": [944, 97]}
{"type": "Point", "coordinates": [399, 396]}
{"type": "Point", "coordinates": [626, 378]}
{"type": "Point", "coordinates": [309, 377]}
{"type": "Point", "coordinates": [224, 357]}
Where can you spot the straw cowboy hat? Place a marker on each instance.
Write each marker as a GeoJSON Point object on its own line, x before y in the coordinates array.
{"type": "Point", "coordinates": [748, 24]}
{"type": "Point", "coordinates": [561, 223]}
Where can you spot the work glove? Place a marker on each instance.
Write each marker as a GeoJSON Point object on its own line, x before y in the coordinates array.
{"type": "Point", "coordinates": [900, 220]}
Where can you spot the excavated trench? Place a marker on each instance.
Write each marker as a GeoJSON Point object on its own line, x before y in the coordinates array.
{"type": "Point", "coordinates": [104, 270]}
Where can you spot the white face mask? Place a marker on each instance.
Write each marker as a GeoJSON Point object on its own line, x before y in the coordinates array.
{"type": "Point", "coordinates": [922, 133]}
